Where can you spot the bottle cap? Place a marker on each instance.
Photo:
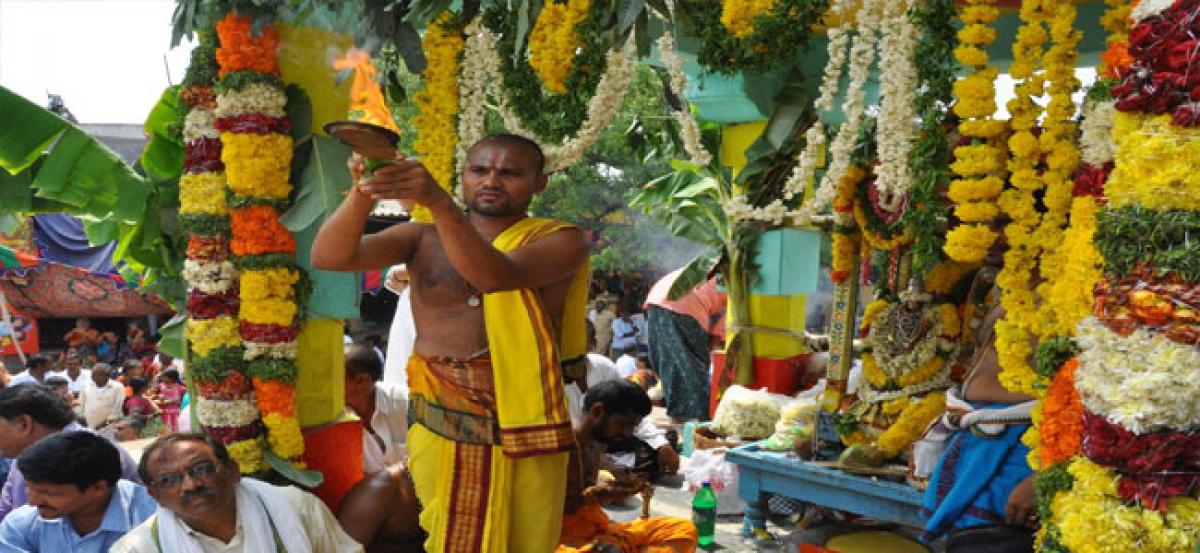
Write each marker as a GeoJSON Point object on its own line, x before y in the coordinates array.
{"type": "Point", "coordinates": [706, 484]}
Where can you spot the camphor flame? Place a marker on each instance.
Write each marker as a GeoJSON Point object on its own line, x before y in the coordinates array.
{"type": "Point", "coordinates": [366, 97]}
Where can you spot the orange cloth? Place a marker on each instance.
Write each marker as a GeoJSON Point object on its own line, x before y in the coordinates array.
{"type": "Point", "coordinates": [590, 524]}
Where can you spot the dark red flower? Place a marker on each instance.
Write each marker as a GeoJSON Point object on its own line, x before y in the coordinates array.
{"type": "Point", "coordinates": [268, 333]}
{"type": "Point", "coordinates": [1089, 180]}
{"type": "Point", "coordinates": [256, 123]}
{"type": "Point", "coordinates": [203, 156]}
{"type": "Point", "coordinates": [1153, 466]}
{"type": "Point", "coordinates": [210, 306]}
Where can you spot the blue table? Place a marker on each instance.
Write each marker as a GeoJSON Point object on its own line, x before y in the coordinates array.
{"type": "Point", "coordinates": [763, 472]}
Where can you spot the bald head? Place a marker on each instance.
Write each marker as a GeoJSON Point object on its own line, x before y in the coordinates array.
{"type": "Point", "coordinates": [528, 147]}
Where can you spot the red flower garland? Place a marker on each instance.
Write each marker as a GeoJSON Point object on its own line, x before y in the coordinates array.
{"type": "Point", "coordinates": [234, 385]}
{"type": "Point", "coordinates": [207, 248]}
{"type": "Point", "coordinates": [1153, 467]}
{"type": "Point", "coordinates": [203, 156]}
{"type": "Point", "coordinates": [1166, 55]}
{"type": "Point", "coordinates": [1089, 180]}
{"type": "Point", "coordinates": [268, 333]}
{"type": "Point", "coordinates": [255, 123]}
{"type": "Point", "coordinates": [231, 434]}
{"type": "Point", "coordinates": [211, 306]}
{"type": "Point", "coordinates": [1145, 299]}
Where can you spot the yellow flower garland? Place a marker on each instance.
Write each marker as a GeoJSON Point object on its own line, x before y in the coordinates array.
{"type": "Point", "coordinates": [943, 276]}
{"type": "Point", "coordinates": [1093, 518]}
{"type": "Point", "coordinates": [1070, 294]}
{"type": "Point", "coordinates": [283, 434]}
{"type": "Point", "coordinates": [248, 456]}
{"type": "Point", "coordinates": [737, 16]}
{"type": "Point", "coordinates": [268, 283]}
{"type": "Point", "coordinates": [978, 163]}
{"type": "Point", "coordinates": [273, 311]}
{"type": "Point", "coordinates": [258, 165]}
{"type": "Point", "coordinates": [553, 42]}
{"type": "Point", "coordinates": [206, 335]}
{"type": "Point", "coordinates": [202, 193]}
{"type": "Point", "coordinates": [437, 123]}
{"type": "Point", "coordinates": [1156, 164]}
{"type": "Point", "coordinates": [911, 424]}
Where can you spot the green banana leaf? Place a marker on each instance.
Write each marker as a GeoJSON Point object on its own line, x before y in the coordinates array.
{"type": "Point", "coordinates": [78, 171]}
{"type": "Point", "coordinates": [163, 157]}
{"type": "Point", "coordinates": [323, 183]}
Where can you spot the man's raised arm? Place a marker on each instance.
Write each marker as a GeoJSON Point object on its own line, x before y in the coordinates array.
{"type": "Point", "coordinates": [340, 245]}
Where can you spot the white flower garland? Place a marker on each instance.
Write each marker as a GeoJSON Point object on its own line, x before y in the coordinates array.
{"type": "Point", "coordinates": [1143, 382]}
{"type": "Point", "coordinates": [226, 413]}
{"type": "Point", "coordinates": [267, 99]}
{"type": "Point", "coordinates": [606, 101]}
{"type": "Point", "coordinates": [209, 277]}
{"type": "Point", "coordinates": [1149, 8]}
{"type": "Point", "coordinates": [473, 87]}
{"type": "Point", "coordinates": [898, 110]}
{"type": "Point", "coordinates": [199, 124]}
{"type": "Point", "coordinates": [282, 350]}
{"type": "Point", "coordinates": [932, 345]}
{"type": "Point", "coordinates": [1095, 141]}
{"type": "Point", "coordinates": [689, 129]}
{"type": "Point", "coordinates": [861, 55]}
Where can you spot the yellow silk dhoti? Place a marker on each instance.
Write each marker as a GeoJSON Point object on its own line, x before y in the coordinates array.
{"type": "Point", "coordinates": [590, 525]}
{"type": "Point", "coordinates": [474, 498]}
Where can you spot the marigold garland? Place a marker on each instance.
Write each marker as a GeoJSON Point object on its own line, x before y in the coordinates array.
{"type": "Point", "coordinates": [437, 122]}
{"type": "Point", "coordinates": [1116, 59]}
{"type": "Point", "coordinates": [248, 456]}
{"type": "Point", "coordinates": [206, 335]}
{"type": "Point", "coordinates": [738, 15]}
{"type": "Point", "coordinates": [553, 42]}
{"type": "Point", "coordinates": [1061, 427]}
{"type": "Point", "coordinates": [258, 165]}
{"type": "Point", "coordinates": [911, 423]}
{"type": "Point", "coordinates": [242, 48]}
{"type": "Point", "coordinates": [976, 164]}
{"type": "Point", "coordinates": [202, 193]}
{"type": "Point", "coordinates": [257, 231]}
{"type": "Point", "coordinates": [1157, 164]}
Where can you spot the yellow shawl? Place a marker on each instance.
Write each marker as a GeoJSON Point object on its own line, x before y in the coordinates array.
{"type": "Point", "coordinates": [527, 348]}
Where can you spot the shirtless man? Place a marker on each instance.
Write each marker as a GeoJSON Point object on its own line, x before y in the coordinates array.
{"type": "Point", "coordinates": [381, 511]}
{"type": "Point", "coordinates": [464, 387]}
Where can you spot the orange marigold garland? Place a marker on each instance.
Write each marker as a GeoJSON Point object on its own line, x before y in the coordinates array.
{"type": "Point", "coordinates": [1062, 418]}
{"type": "Point", "coordinates": [258, 161]}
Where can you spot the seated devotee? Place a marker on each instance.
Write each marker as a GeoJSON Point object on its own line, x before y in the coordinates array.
{"type": "Point", "coordinates": [382, 406]}
{"type": "Point", "coordinates": [382, 512]}
{"type": "Point", "coordinates": [659, 456]}
{"type": "Point", "coordinates": [612, 409]}
{"type": "Point", "coordinates": [77, 499]}
{"type": "Point", "coordinates": [973, 455]}
{"type": "Point", "coordinates": [205, 506]}
{"type": "Point", "coordinates": [28, 414]}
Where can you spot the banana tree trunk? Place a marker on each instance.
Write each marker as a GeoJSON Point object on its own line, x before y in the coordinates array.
{"type": "Point", "coordinates": [739, 343]}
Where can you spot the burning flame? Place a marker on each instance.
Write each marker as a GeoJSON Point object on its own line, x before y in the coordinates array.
{"type": "Point", "coordinates": [366, 98]}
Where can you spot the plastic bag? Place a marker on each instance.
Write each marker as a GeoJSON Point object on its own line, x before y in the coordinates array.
{"type": "Point", "coordinates": [747, 413]}
{"type": "Point", "coordinates": [709, 465]}
{"type": "Point", "coordinates": [797, 421]}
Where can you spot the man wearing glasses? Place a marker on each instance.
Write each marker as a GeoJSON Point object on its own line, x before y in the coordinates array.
{"type": "Point", "coordinates": [205, 506]}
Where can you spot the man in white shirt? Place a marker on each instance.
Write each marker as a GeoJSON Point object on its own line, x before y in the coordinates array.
{"type": "Point", "coordinates": [205, 506]}
{"type": "Point", "coordinates": [35, 371]}
{"type": "Point", "coordinates": [403, 333]}
{"type": "Point", "coordinates": [101, 398]}
{"type": "Point", "coordinates": [382, 406]}
{"type": "Point", "coordinates": [73, 372]}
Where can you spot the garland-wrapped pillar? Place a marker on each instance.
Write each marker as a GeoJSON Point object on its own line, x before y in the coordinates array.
{"type": "Point", "coordinates": [257, 155]}
{"type": "Point", "coordinates": [224, 405]}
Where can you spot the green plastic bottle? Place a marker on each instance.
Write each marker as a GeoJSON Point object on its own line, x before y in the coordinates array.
{"type": "Point", "coordinates": [704, 514]}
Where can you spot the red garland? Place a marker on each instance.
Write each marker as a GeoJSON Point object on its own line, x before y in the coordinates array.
{"type": "Point", "coordinates": [1153, 467]}
{"type": "Point", "coordinates": [203, 156]}
{"type": "Point", "coordinates": [1089, 180]}
{"type": "Point", "coordinates": [230, 434]}
{"type": "Point", "coordinates": [255, 123]}
{"type": "Point", "coordinates": [233, 386]}
{"type": "Point", "coordinates": [268, 333]}
{"type": "Point", "coordinates": [1165, 75]}
{"type": "Point", "coordinates": [211, 306]}
{"type": "Point", "coordinates": [207, 248]}
{"type": "Point", "coordinates": [1143, 299]}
